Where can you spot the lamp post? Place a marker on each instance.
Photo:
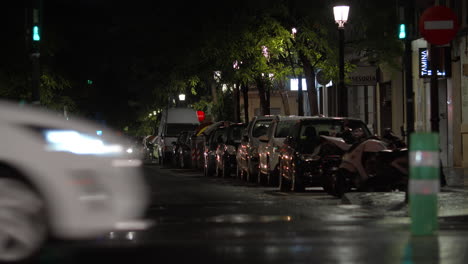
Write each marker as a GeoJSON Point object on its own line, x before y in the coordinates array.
{"type": "Point", "coordinates": [181, 97]}
{"type": "Point", "coordinates": [341, 17]}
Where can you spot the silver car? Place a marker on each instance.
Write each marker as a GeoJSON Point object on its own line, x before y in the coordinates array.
{"type": "Point", "coordinates": [247, 153]}
{"type": "Point", "coordinates": [268, 148]}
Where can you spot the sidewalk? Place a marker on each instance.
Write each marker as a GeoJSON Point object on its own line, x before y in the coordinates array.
{"type": "Point", "coordinates": [452, 199]}
{"type": "Point", "coordinates": [457, 179]}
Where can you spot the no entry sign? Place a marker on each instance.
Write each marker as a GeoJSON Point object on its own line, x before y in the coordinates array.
{"type": "Point", "coordinates": [438, 25]}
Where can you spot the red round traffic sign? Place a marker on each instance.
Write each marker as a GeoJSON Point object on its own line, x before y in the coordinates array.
{"type": "Point", "coordinates": [201, 115]}
{"type": "Point", "coordinates": [438, 25]}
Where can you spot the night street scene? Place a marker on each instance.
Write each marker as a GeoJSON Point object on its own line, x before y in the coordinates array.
{"type": "Point", "coordinates": [247, 131]}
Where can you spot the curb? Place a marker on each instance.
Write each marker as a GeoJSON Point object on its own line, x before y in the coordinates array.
{"type": "Point", "coordinates": [454, 189]}
{"type": "Point", "coordinates": [345, 199]}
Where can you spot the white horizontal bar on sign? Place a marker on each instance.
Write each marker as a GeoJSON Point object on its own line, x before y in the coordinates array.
{"type": "Point", "coordinates": [424, 187]}
{"type": "Point", "coordinates": [424, 159]}
{"type": "Point", "coordinates": [438, 24]}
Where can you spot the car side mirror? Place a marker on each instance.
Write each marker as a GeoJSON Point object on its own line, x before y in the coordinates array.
{"type": "Point", "coordinates": [263, 138]}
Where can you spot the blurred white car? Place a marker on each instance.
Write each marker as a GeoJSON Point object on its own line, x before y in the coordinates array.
{"type": "Point", "coordinates": [58, 178]}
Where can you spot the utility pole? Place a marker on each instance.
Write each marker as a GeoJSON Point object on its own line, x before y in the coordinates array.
{"type": "Point", "coordinates": [434, 63]}
{"type": "Point", "coordinates": [408, 33]}
{"type": "Point", "coordinates": [35, 50]}
{"type": "Point", "coordinates": [342, 92]}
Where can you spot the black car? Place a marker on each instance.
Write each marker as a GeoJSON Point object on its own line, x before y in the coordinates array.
{"type": "Point", "coordinates": [299, 165]}
{"type": "Point", "coordinates": [227, 149]}
{"type": "Point", "coordinates": [181, 151]}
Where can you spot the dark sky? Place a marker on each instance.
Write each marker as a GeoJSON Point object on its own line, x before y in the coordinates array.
{"type": "Point", "coordinates": [107, 41]}
{"type": "Point", "coordinates": [102, 40]}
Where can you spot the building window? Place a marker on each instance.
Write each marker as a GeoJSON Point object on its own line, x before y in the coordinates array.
{"type": "Point", "coordinates": [295, 84]}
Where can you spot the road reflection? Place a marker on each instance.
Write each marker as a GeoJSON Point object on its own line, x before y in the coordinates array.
{"type": "Point", "coordinates": [421, 250]}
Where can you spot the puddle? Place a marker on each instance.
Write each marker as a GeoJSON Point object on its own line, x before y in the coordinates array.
{"type": "Point", "coordinates": [246, 218]}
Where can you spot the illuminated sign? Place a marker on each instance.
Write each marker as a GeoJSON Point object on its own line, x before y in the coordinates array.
{"type": "Point", "coordinates": [424, 66]}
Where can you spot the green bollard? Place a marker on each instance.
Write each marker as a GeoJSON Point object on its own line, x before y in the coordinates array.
{"type": "Point", "coordinates": [424, 182]}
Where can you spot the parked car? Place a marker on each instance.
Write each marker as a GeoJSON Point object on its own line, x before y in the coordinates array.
{"type": "Point", "coordinates": [227, 149]}
{"type": "Point", "coordinates": [181, 151]}
{"type": "Point", "coordinates": [216, 132]}
{"type": "Point", "coordinates": [172, 122]}
{"type": "Point", "coordinates": [268, 148]}
{"type": "Point", "coordinates": [197, 145]}
{"type": "Point", "coordinates": [247, 153]}
{"type": "Point", "coordinates": [199, 141]}
{"type": "Point", "coordinates": [71, 183]}
{"type": "Point", "coordinates": [299, 162]}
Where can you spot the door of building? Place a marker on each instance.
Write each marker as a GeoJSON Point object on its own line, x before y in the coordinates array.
{"type": "Point", "coordinates": [385, 106]}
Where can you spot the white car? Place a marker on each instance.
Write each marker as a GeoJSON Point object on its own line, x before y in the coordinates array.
{"type": "Point", "coordinates": [268, 148]}
{"type": "Point", "coordinates": [58, 178]}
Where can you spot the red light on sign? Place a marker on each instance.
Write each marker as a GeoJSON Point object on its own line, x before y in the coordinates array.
{"type": "Point", "coordinates": [201, 116]}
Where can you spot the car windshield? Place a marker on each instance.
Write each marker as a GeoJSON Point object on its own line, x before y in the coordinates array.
{"type": "Point", "coordinates": [310, 130]}
{"type": "Point", "coordinates": [235, 133]}
{"type": "Point", "coordinates": [283, 128]}
{"type": "Point", "coordinates": [217, 134]}
{"type": "Point", "coordinates": [260, 128]}
{"type": "Point", "coordinates": [172, 130]}
{"type": "Point", "coordinates": [334, 127]}
{"type": "Point", "coordinates": [182, 137]}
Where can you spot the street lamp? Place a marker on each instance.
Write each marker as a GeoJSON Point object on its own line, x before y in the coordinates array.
{"type": "Point", "coordinates": [341, 17]}
{"type": "Point", "coordinates": [181, 97]}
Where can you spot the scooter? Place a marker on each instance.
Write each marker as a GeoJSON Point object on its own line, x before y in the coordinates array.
{"type": "Point", "coordinates": [330, 153]}
{"type": "Point", "coordinates": [373, 164]}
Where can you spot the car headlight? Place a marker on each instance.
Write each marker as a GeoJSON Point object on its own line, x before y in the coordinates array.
{"type": "Point", "coordinates": [231, 150]}
{"type": "Point", "coordinates": [129, 150]}
{"type": "Point", "coordinates": [78, 143]}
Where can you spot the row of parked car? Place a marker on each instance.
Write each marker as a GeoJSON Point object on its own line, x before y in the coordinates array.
{"type": "Point", "coordinates": [289, 152]}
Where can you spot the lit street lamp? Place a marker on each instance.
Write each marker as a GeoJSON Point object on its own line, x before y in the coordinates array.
{"type": "Point", "coordinates": [181, 97]}
{"type": "Point", "coordinates": [341, 17]}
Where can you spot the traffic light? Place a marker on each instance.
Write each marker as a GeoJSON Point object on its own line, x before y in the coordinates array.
{"type": "Point", "coordinates": [36, 33]}
{"type": "Point", "coordinates": [402, 31]}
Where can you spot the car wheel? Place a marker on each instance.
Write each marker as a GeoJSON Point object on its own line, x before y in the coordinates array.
{"type": "Point", "coordinates": [218, 172]}
{"type": "Point", "coordinates": [284, 184]}
{"type": "Point", "coordinates": [23, 228]}
{"type": "Point", "coordinates": [341, 184]}
{"type": "Point", "coordinates": [182, 161]}
{"type": "Point", "coordinates": [297, 184]}
{"type": "Point", "coordinates": [226, 170]}
{"type": "Point", "coordinates": [206, 168]}
{"type": "Point", "coordinates": [272, 177]}
{"type": "Point", "coordinates": [261, 178]}
{"type": "Point", "coordinates": [250, 173]}
{"type": "Point", "coordinates": [239, 173]}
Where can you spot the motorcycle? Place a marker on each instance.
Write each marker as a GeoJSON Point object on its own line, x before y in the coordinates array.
{"type": "Point", "coordinates": [329, 158]}
{"type": "Point", "coordinates": [372, 164]}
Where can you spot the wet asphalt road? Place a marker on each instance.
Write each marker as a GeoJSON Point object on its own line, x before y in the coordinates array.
{"type": "Point", "coordinates": [212, 220]}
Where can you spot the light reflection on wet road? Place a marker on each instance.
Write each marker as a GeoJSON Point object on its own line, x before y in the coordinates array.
{"type": "Point", "coordinates": [212, 220]}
